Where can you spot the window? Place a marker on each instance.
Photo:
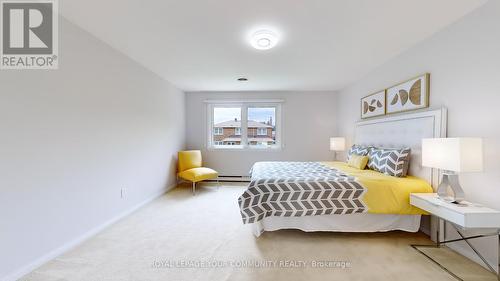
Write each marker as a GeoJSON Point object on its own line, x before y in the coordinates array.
{"type": "Point", "coordinates": [244, 125]}
{"type": "Point", "coordinates": [261, 126]}
{"type": "Point", "coordinates": [218, 131]}
{"type": "Point", "coordinates": [224, 119]}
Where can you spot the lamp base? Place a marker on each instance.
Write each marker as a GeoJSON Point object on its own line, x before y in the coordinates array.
{"type": "Point", "coordinates": [334, 155]}
{"type": "Point", "coordinates": [450, 180]}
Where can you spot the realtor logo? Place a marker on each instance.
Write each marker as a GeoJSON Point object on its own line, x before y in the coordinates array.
{"type": "Point", "coordinates": [29, 34]}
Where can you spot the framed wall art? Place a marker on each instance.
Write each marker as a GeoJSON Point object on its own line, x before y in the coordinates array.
{"type": "Point", "coordinates": [409, 95]}
{"type": "Point", "coordinates": [373, 105]}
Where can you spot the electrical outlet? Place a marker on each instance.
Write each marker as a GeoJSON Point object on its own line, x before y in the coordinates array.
{"type": "Point", "coordinates": [123, 193]}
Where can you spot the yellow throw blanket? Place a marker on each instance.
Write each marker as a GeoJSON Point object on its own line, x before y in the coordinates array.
{"type": "Point", "coordinates": [386, 194]}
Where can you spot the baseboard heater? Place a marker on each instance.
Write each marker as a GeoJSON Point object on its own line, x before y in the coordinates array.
{"type": "Point", "coordinates": [232, 179]}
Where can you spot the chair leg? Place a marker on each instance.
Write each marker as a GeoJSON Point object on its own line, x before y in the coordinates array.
{"type": "Point", "coordinates": [194, 188]}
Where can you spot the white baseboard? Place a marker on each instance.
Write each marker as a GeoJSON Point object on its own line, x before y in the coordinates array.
{"type": "Point", "coordinates": [19, 273]}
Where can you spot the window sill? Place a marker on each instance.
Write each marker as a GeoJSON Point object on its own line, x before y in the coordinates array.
{"type": "Point", "coordinates": [253, 149]}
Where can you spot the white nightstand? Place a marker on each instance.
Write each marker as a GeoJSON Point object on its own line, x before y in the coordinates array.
{"type": "Point", "coordinates": [461, 217]}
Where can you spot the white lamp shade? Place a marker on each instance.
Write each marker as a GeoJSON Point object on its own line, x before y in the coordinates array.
{"type": "Point", "coordinates": [453, 154]}
{"type": "Point", "coordinates": [337, 144]}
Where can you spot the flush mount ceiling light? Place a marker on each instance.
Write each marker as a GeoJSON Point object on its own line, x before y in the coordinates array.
{"type": "Point", "coordinates": [242, 79]}
{"type": "Point", "coordinates": [264, 39]}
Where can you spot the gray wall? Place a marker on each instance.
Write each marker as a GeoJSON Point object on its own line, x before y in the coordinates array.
{"type": "Point", "coordinates": [72, 138]}
{"type": "Point", "coordinates": [464, 62]}
{"type": "Point", "coordinates": [308, 123]}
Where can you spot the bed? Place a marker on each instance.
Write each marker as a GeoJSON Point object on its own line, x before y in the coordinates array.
{"type": "Point", "coordinates": [331, 196]}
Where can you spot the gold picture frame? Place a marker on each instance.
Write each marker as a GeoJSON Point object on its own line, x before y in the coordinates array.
{"type": "Point", "coordinates": [373, 105]}
{"type": "Point", "coordinates": [409, 95]}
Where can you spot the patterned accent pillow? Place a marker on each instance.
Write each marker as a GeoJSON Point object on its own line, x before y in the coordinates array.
{"type": "Point", "coordinates": [358, 150]}
{"type": "Point", "coordinates": [390, 161]}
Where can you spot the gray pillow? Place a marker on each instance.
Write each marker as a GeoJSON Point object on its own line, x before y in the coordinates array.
{"type": "Point", "coordinates": [390, 161]}
{"type": "Point", "coordinates": [358, 150]}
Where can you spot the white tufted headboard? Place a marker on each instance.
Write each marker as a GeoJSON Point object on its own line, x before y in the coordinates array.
{"type": "Point", "coordinates": [406, 130]}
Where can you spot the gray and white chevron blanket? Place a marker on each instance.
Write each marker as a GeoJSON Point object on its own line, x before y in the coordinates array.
{"type": "Point", "coordinates": [296, 189]}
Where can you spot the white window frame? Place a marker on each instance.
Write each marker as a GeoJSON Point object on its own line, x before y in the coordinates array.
{"type": "Point", "coordinates": [217, 133]}
{"type": "Point", "coordinates": [260, 130]}
{"type": "Point", "coordinates": [237, 131]}
{"type": "Point", "coordinates": [244, 105]}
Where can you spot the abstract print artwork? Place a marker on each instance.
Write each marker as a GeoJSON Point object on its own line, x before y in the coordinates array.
{"type": "Point", "coordinates": [410, 95]}
{"type": "Point", "coordinates": [373, 105]}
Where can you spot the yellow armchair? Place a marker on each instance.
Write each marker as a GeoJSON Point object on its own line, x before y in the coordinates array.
{"type": "Point", "coordinates": [189, 168]}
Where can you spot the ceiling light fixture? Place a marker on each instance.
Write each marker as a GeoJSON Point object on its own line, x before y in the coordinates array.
{"type": "Point", "coordinates": [264, 39]}
{"type": "Point", "coordinates": [242, 79]}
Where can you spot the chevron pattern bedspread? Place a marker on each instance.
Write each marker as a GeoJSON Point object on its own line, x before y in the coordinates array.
{"type": "Point", "coordinates": [296, 189]}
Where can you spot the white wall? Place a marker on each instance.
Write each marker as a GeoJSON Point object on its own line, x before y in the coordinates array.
{"type": "Point", "coordinates": [464, 62]}
{"type": "Point", "coordinates": [308, 123]}
{"type": "Point", "coordinates": [72, 138]}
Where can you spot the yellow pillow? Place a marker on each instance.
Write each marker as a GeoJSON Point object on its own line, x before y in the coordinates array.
{"type": "Point", "coordinates": [358, 161]}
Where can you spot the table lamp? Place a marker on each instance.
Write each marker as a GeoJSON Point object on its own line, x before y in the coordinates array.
{"type": "Point", "coordinates": [453, 156]}
{"type": "Point", "coordinates": [337, 144]}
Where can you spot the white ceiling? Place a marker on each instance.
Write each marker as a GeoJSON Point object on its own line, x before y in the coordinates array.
{"type": "Point", "coordinates": [201, 45]}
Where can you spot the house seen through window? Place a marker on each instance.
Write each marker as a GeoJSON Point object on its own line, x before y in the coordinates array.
{"type": "Point", "coordinates": [244, 126]}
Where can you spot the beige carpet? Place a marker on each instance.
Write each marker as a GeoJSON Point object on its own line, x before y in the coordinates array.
{"type": "Point", "coordinates": [167, 239]}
